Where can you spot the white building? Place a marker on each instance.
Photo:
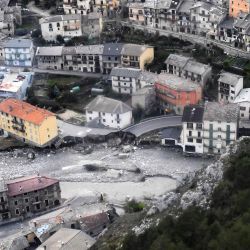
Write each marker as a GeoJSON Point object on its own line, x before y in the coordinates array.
{"type": "Point", "coordinates": [14, 85]}
{"type": "Point", "coordinates": [67, 26]}
{"type": "Point", "coordinates": [109, 112]}
{"type": "Point", "coordinates": [125, 80]}
{"type": "Point", "coordinates": [129, 80]}
{"type": "Point", "coordinates": [76, 7]}
{"type": "Point", "coordinates": [243, 100]}
{"type": "Point", "coordinates": [220, 126]}
{"type": "Point", "coordinates": [192, 129]}
{"type": "Point", "coordinates": [19, 52]}
{"type": "Point", "coordinates": [229, 86]}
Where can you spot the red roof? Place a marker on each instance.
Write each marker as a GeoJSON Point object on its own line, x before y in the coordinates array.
{"type": "Point", "coordinates": [24, 111]}
{"type": "Point", "coordinates": [28, 184]}
{"type": "Point", "coordinates": [93, 221]}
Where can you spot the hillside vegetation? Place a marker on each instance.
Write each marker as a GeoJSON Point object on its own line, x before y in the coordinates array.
{"type": "Point", "coordinates": [224, 226]}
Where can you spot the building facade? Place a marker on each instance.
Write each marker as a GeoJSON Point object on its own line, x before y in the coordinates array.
{"type": "Point", "coordinates": [66, 26]}
{"type": "Point", "coordinates": [125, 80]}
{"type": "Point", "coordinates": [220, 126]}
{"type": "Point", "coordinates": [174, 93]}
{"type": "Point", "coordinates": [109, 112]}
{"type": "Point", "coordinates": [28, 123]}
{"type": "Point", "coordinates": [19, 52]}
{"type": "Point", "coordinates": [192, 129]}
{"type": "Point", "coordinates": [26, 196]}
{"type": "Point", "coordinates": [50, 58]}
{"type": "Point", "coordinates": [188, 68]}
{"type": "Point", "coordinates": [14, 85]}
{"type": "Point", "coordinates": [243, 100]}
{"type": "Point", "coordinates": [229, 86]}
{"type": "Point", "coordinates": [236, 7]}
{"type": "Point", "coordinates": [136, 56]}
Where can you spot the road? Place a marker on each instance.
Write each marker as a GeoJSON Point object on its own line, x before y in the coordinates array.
{"type": "Point", "coordinates": [69, 73]}
{"type": "Point", "coordinates": [193, 39]}
{"type": "Point", "coordinates": [81, 131]}
{"type": "Point", "coordinates": [43, 13]}
{"type": "Point", "coordinates": [154, 124]}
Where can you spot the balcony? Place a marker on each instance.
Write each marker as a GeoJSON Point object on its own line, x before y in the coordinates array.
{"type": "Point", "coordinates": [19, 128]}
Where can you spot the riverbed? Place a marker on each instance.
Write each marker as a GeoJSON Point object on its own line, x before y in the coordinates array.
{"type": "Point", "coordinates": [158, 170]}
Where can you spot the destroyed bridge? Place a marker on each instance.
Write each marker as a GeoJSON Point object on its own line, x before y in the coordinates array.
{"type": "Point", "coordinates": [153, 124]}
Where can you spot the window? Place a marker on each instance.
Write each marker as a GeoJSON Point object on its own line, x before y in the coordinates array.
{"type": "Point", "coordinates": [17, 211]}
{"type": "Point", "coordinates": [104, 120]}
{"type": "Point", "coordinates": [189, 125]}
{"type": "Point", "coordinates": [16, 202]}
{"type": "Point", "coordinates": [189, 133]}
{"type": "Point", "coordinates": [26, 200]}
{"type": "Point", "coordinates": [242, 115]}
{"type": "Point", "coordinates": [219, 129]}
{"type": "Point", "coordinates": [38, 206]}
{"type": "Point", "coordinates": [190, 139]}
{"type": "Point", "coordinates": [27, 209]}
{"type": "Point", "coordinates": [199, 140]}
{"type": "Point", "coordinates": [46, 203]}
{"type": "Point", "coordinates": [199, 134]}
{"type": "Point", "coordinates": [219, 136]}
{"type": "Point", "coordinates": [199, 126]}
{"type": "Point", "coordinates": [243, 108]}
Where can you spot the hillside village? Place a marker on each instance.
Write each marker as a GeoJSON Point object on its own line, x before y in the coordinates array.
{"type": "Point", "coordinates": [99, 83]}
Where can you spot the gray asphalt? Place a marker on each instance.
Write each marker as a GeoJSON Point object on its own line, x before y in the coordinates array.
{"type": "Point", "coordinates": [68, 129]}
{"type": "Point", "coordinates": [154, 124]}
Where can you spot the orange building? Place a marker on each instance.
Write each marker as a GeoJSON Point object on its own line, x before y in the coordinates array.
{"type": "Point", "coordinates": [238, 6]}
{"type": "Point", "coordinates": [174, 92]}
{"type": "Point", "coordinates": [28, 123]}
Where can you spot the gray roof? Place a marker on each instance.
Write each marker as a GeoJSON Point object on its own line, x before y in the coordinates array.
{"type": "Point", "coordinates": [112, 49]}
{"type": "Point", "coordinates": [90, 49]}
{"type": "Point", "coordinates": [177, 60]}
{"type": "Point", "coordinates": [49, 51]}
{"type": "Point", "coordinates": [215, 111]}
{"type": "Point", "coordinates": [243, 23]}
{"type": "Point", "coordinates": [4, 3]}
{"type": "Point", "coordinates": [148, 77]}
{"type": "Point", "coordinates": [19, 43]}
{"type": "Point", "coordinates": [148, 90]}
{"type": "Point", "coordinates": [228, 23]}
{"type": "Point", "coordinates": [229, 78]}
{"type": "Point", "coordinates": [68, 239]}
{"type": "Point", "coordinates": [177, 83]}
{"type": "Point", "coordinates": [133, 49]}
{"type": "Point", "coordinates": [196, 67]}
{"type": "Point", "coordinates": [206, 6]}
{"type": "Point", "coordinates": [69, 50]}
{"type": "Point", "coordinates": [193, 113]}
{"type": "Point", "coordinates": [185, 6]}
{"type": "Point", "coordinates": [16, 242]}
{"type": "Point", "coordinates": [108, 105]}
{"type": "Point", "coordinates": [59, 18]}
{"type": "Point", "coordinates": [126, 72]}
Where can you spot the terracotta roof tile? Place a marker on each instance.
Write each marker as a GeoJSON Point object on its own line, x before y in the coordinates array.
{"type": "Point", "coordinates": [28, 184]}
{"type": "Point", "coordinates": [24, 111]}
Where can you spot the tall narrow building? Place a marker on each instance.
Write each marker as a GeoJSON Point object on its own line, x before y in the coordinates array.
{"type": "Point", "coordinates": [238, 6]}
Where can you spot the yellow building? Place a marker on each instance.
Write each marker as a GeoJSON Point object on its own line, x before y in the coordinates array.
{"type": "Point", "coordinates": [238, 6]}
{"type": "Point", "coordinates": [137, 56]}
{"type": "Point", "coordinates": [31, 124]}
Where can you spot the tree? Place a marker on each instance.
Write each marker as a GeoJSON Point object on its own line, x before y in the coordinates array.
{"type": "Point", "coordinates": [59, 39]}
